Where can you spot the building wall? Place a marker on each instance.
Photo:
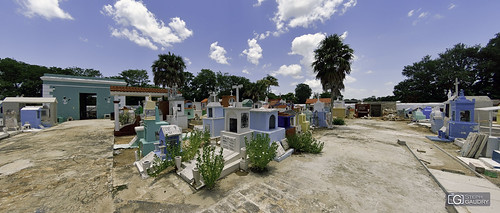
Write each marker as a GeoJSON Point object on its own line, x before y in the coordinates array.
{"type": "Point", "coordinates": [70, 107]}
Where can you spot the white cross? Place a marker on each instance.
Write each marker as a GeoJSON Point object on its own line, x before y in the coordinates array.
{"type": "Point", "coordinates": [237, 92]}
{"type": "Point", "coordinates": [456, 86]}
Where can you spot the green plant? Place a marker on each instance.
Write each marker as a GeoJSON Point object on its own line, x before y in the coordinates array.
{"type": "Point", "coordinates": [338, 121]}
{"type": "Point", "coordinates": [196, 139]}
{"type": "Point", "coordinates": [260, 151]}
{"type": "Point", "coordinates": [305, 142]}
{"type": "Point", "coordinates": [210, 165]}
{"type": "Point", "coordinates": [124, 118]}
{"type": "Point", "coordinates": [158, 166]}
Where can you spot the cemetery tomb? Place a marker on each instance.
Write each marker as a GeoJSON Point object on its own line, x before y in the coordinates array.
{"type": "Point", "coordinates": [214, 122]}
{"type": "Point", "coordinates": [32, 116]}
{"type": "Point", "coordinates": [265, 121]}
{"type": "Point", "coordinates": [303, 122]}
{"type": "Point", "coordinates": [285, 121]}
{"type": "Point", "coordinates": [176, 108]}
{"type": "Point", "coordinates": [149, 134]}
{"type": "Point", "coordinates": [169, 135]}
{"type": "Point", "coordinates": [436, 118]}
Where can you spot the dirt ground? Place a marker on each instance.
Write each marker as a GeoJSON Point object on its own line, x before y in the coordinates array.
{"type": "Point", "coordinates": [72, 168]}
{"type": "Point", "coordinates": [67, 169]}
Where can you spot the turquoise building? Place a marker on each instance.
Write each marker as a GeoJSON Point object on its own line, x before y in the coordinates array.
{"type": "Point", "coordinates": [80, 97]}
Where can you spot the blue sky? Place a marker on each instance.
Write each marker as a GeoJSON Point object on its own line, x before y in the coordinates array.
{"type": "Point", "coordinates": [250, 38]}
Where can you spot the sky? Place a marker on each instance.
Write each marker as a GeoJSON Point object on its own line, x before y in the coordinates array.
{"type": "Point", "coordinates": [249, 38]}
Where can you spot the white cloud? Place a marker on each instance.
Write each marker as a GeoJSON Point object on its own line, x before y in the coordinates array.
{"type": "Point", "coordinates": [344, 35]}
{"type": "Point", "coordinates": [218, 53]}
{"type": "Point", "coordinates": [423, 14]}
{"type": "Point", "coordinates": [293, 70]}
{"type": "Point", "coordinates": [187, 61]}
{"type": "Point", "coordinates": [369, 72]}
{"type": "Point", "coordinates": [349, 79]}
{"type": "Point", "coordinates": [315, 85]}
{"type": "Point", "coordinates": [294, 83]}
{"type": "Point", "coordinates": [390, 83]}
{"type": "Point", "coordinates": [245, 71]}
{"type": "Point", "coordinates": [135, 22]}
{"type": "Point", "coordinates": [83, 39]}
{"type": "Point", "coordinates": [134, 36]}
{"type": "Point", "coordinates": [304, 46]}
{"type": "Point", "coordinates": [410, 14]}
{"type": "Point", "coordinates": [259, 2]}
{"type": "Point", "coordinates": [303, 13]}
{"type": "Point", "coordinates": [452, 6]}
{"type": "Point", "coordinates": [254, 51]}
{"type": "Point", "coordinates": [47, 9]}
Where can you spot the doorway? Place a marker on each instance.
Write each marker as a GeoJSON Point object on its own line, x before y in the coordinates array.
{"type": "Point", "coordinates": [88, 106]}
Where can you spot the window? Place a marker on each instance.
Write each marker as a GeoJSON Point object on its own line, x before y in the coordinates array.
{"type": "Point", "coordinates": [210, 112]}
{"type": "Point", "coordinates": [244, 120]}
{"type": "Point", "coordinates": [453, 116]}
{"type": "Point", "coordinates": [38, 114]}
{"type": "Point", "coordinates": [272, 122]}
{"type": "Point", "coordinates": [465, 116]}
{"type": "Point", "coordinates": [179, 107]}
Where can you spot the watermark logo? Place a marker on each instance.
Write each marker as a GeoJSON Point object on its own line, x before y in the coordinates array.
{"type": "Point", "coordinates": [468, 198]}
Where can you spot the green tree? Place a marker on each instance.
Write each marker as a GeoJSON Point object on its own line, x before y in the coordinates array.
{"type": "Point", "coordinates": [85, 72]}
{"type": "Point", "coordinates": [135, 78]}
{"type": "Point", "coordinates": [325, 94]}
{"type": "Point", "coordinates": [289, 97]}
{"type": "Point", "coordinates": [188, 88]}
{"type": "Point", "coordinates": [205, 82]}
{"type": "Point", "coordinates": [302, 92]}
{"type": "Point", "coordinates": [168, 70]}
{"type": "Point", "coordinates": [256, 91]}
{"type": "Point", "coordinates": [270, 81]}
{"type": "Point", "coordinates": [488, 70]}
{"type": "Point", "coordinates": [332, 63]}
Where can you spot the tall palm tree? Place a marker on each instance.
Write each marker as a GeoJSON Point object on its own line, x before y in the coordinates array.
{"type": "Point", "coordinates": [270, 81]}
{"type": "Point", "coordinates": [332, 64]}
{"type": "Point", "coordinates": [168, 70]}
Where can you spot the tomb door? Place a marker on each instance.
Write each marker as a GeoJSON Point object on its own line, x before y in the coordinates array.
{"type": "Point", "coordinates": [233, 125]}
{"type": "Point", "coordinates": [272, 122]}
{"type": "Point", "coordinates": [210, 113]}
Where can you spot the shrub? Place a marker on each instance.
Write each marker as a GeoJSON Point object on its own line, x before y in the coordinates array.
{"type": "Point", "coordinates": [124, 118]}
{"type": "Point", "coordinates": [260, 152]}
{"type": "Point", "coordinates": [305, 142]}
{"type": "Point", "coordinates": [210, 165]}
{"type": "Point", "coordinates": [196, 139]}
{"type": "Point", "coordinates": [338, 121]}
{"type": "Point", "coordinates": [159, 165]}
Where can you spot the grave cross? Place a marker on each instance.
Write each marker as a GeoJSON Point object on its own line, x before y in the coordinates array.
{"type": "Point", "coordinates": [215, 96]}
{"type": "Point", "coordinates": [456, 86]}
{"type": "Point", "coordinates": [237, 92]}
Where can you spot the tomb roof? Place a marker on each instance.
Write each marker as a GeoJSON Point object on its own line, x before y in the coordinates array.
{"type": "Point", "coordinates": [138, 89]}
{"type": "Point", "coordinates": [314, 100]}
{"type": "Point", "coordinates": [37, 100]}
{"type": "Point", "coordinates": [204, 100]}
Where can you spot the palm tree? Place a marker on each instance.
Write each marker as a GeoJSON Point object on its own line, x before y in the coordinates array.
{"type": "Point", "coordinates": [332, 64]}
{"type": "Point", "coordinates": [168, 70]}
{"type": "Point", "coordinates": [270, 81]}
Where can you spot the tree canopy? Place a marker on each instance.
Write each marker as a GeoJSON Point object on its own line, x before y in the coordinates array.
{"type": "Point", "coordinates": [302, 93]}
{"type": "Point", "coordinates": [135, 78]}
{"type": "Point", "coordinates": [168, 70]}
{"type": "Point", "coordinates": [477, 70]}
{"type": "Point", "coordinates": [332, 64]}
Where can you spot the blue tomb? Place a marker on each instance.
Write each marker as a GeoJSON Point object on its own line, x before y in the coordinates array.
{"type": "Point", "coordinates": [265, 121]}
{"type": "Point", "coordinates": [214, 122]}
{"type": "Point", "coordinates": [31, 115]}
{"type": "Point", "coordinates": [169, 135]}
{"type": "Point", "coordinates": [459, 122]}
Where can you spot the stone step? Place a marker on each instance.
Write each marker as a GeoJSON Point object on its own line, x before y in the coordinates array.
{"type": "Point", "coordinates": [230, 168]}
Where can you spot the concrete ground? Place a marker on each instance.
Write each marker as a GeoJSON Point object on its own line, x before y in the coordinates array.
{"type": "Point", "coordinates": [71, 167]}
